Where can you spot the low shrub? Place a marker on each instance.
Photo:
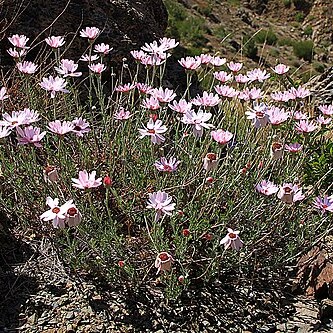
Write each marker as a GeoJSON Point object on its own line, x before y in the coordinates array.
{"type": "Point", "coordinates": [308, 31]}
{"type": "Point", "coordinates": [266, 36]}
{"type": "Point", "coordinates": [133, 180]}
{"type": "Point", "coordinates": [299, 17]}
{"type": "Point", "coordinates": [286, 41]}
{"type": "Point", "coordinates": [250, 48]}
{"type": "Point", "coordinates": [304, 49]}
{"type": "Point", "coordinates": [287, 3]}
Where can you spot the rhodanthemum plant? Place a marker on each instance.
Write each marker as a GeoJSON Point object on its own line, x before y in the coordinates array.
{"type": "Point", "coordinates": [161, 180]}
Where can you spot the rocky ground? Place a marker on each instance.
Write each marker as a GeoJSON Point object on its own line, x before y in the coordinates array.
{"type": "Point", "coordinates": [39, 294]}
{"type": "Point", "coordinates": [239, 18]}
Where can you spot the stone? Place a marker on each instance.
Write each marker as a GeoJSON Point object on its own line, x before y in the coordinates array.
{"type": "Point", "coordinates": [126, 25]}
{"type": "Point", "coordinates": [321, 87]}
{"type": "Point", "coordinates": [70, 315]}
{"type": "Point", "coordinates": [326, 309]}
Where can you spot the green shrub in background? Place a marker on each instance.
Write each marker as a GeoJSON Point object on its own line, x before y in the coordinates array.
{"type": "Point", "coordinates": [287, 3]}
{"type": "Point", "coordinates": [319, 167]}
{"type": "Point", "coordinates": [205, 9]}
{"type": "Point", "coordinates": [319, 67]}
{"type": "Point", "coordinates": [220, 32]}
{"type": "Point", "coordinates": [250, 48]}
{"type": "Point", "coordinates": [286, 42]}
{"type": "Point", "coordinates": [304, 49]}
{"type": "Point", "coordinates": [308, 31]}
{"type": "Point", "coordinates": [299, 17]}
{"type": "Point", "coordinates": [188, 28]}
{"type": "Point", "coordinates": [266, 36]}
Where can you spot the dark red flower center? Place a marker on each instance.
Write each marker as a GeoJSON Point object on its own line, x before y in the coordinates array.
{"type": "Point", "coordinates": [163, 256]}
{"type": "Point", "coordinates": [288, 190]}
{"type": "Point", "coordinates": [49, 169]}
{"type": "Point", "coordinates": [152, 131]}
{"type": "Point", "coordinates": [232, 235]}
{"type": "Point", "coordinates": [77, 128]}
{"type": "Point", "coordinates": [276, 145]}
{"type": "Point", "coordinates": [211, 156]}
{"type": "Point", "coordinates": [167, 168]}
{"type": "Point", "coordinates": [56, 210]}
{"type": "Point", "coordinates": [72, 211]}
{"type": "Point", "coordinates": [260, 114]}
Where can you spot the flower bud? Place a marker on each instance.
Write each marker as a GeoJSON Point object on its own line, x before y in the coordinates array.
{"type": "Point", "coordinates": [107, 181]}
{"type": "Point", "coordinates": [186, 232]}
{"type": "Point", "coordinates": [210, 161]}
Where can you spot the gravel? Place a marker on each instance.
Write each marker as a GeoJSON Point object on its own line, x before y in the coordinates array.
{"type": "Point", "coordinates": [41, 295]}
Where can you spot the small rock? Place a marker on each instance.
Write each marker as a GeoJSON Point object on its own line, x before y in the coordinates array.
{"type": "Point", "coordinates": [326, 309]}
{"type": "Point", "coordinates": [32, 319]}
{"type": "Point", "coordinates": [97, 297]}
{"type": "Point", "coordinates": [70, 315]}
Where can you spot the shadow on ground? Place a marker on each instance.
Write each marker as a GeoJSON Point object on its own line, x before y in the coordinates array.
{"type": "Point", "coordinates": [15, 288]}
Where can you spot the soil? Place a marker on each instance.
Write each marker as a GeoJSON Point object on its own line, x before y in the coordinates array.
{"type": "Point", "coordinates": [39, 293]}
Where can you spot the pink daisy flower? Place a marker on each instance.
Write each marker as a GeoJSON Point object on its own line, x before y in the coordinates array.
{"type": "Point", "coordinates": [277, 116]}
{"type": "Point", "coordinates": [293, 147]}
{"type": "Point", "coordinates": [258, 75]}
{"type": "Point", "coordinates": [266, 187]}
{"type": "Point", "coordinates": [121, 114]}
{"type": "Point", "coordinates": [300, 92]}
{"type": "Point", "coordinates": [97, 68]}
{"type": "Point", "coordinates": [103, 49]}
{"type": "Point", "coordinates": [206, 100]}
{"type": "Point", "coordinates": [26, 67]}
{"type": "Point", "coordinates": [80, 127]}
{"type": "Point", "coordinates": [125, 88]}
{"type": "Point", "coordinates": [144, 88]}
{"type": "Point", "coordinates": [30, 135]}
{"type": "Point", "coordinates": [305, 126]}
{"type": "Point", "coordinates": [190, 63]}
{"type": "Point", "coordinates": [226, 91]}
{"type": "Point", "coordinates": [289, 193]}
{"type": "Point", "coordinates": [281, 69]}
{"type": "Point", "coordinates": [161, 202]}
{"type": "Point", "coordinates": [217, 61]}
{"type": "Point", "coordinates": [60, 128]}
{"type": "Point", "coordinates": [163, 95]}
{"type": "Point", "coordinates": [235, 66]}
{"type": "Point", "coordinates": [55, 41]}
{"type": "Point", "coordinates": [90, 32]}
{"type": "Point", "coordinates": [68, 68]}
{"type": "Point", "coordinates": [223, 76]}
{"type": "Point", "coordinates": [19, 41]}
{"type": "Point", "coordinates": [241, 78]}
{"type": "Point", "coordinates": [221, 136]}
{"type": "Point", "coordinates": [326, 110]}
{"type": "Point", "coordinates": [181, 107]}
{"type": "Point", "coordinates": [86, 180]}
{"type": "Point", "coordinates": [165, 165]}
{"type": "Point", "coordinates": [154, 130]}
{"type": "Point", "coordinates": [232, 240]}
{"type": "Point", "coordinates": [54, 85]}
{"type": "Point", "coordinates": [198, 121]}
{"type": "Point", "coordinates": [324, 204]}
{"type": "Point", "coordinates": [151, 103]}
